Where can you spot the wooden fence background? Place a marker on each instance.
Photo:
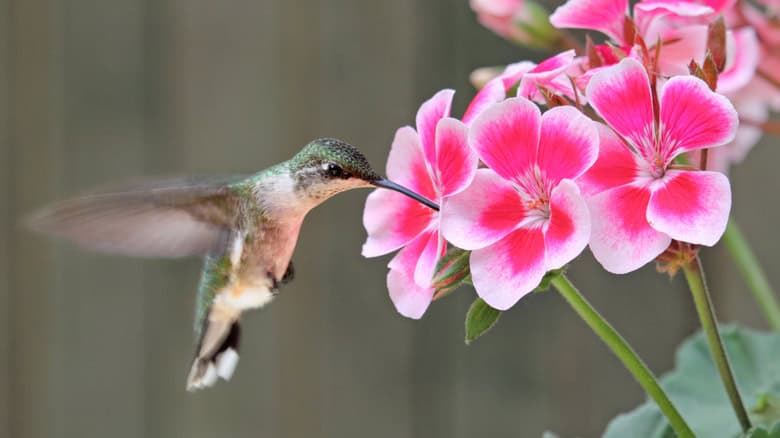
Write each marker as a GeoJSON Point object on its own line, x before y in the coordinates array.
{"type": "Point", "coordinates": [94, 346]}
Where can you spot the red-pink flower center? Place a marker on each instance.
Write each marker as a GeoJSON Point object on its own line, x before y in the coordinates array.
{"type": "Point", "coordinates": [535, 190]}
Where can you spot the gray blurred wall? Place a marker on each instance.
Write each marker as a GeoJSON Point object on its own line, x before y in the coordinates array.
{"type": "Point", "coordinates": [95, 346]}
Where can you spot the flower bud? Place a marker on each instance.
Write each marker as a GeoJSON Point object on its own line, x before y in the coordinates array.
{"type": "Point", "coordinates": [522, 21]}
{"type": "Point", "coordinates": [451, 271]}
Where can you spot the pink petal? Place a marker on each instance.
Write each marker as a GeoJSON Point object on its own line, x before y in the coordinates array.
{"type": "Point", "coordinates": [693, 117]}
{"type": "Point", "coordinates": [680, 46]}
{"type": "Point", "coordinates": [691, 206]}
{"type": "Point", "coordinates": [621, 95]}
{"type": "Point", "coordinates": [680, 8]}
{"type": "Point", "coordinates": [428, 116]}
{"type": "Point", "coordinates": [406, 164]}
{"type": "Point", "coordinates": [616, 165]}
{"type": "Point", "coordinates": [410, 300]}
{"type": "Point", "coordinates": [742, 61]}
{"type": "Point", "coordinates": [568, 229]}
{"type": "Point", "coordinates": [504, 272]}
{"type": "Point", "coordinates": [544, 74]}
{"type": "Point", "coordinates": [496, 7]}
{"type": "Point", "coordinates": [407, 259]}
{"type": "Point", "coordinates": [603, 15]}
{"type": "Point", "coordinates": [489, 209]}
{"type": "Point", "coordinates": [420, 256]}
{"type": "Point", "coordinates": [456, 162]}
{"type": "Point", "coordinates": [621, 238]}
{"type": "Point", "coordinates": [569, 143]}
{"type": "Point", "coordinates": [491, 93]}
{"type": "Point", "coordinates": [429, 257]}
{"type": "Point", "coordinates": [495, 90]}
{"type": "Point", "coordinates": [506, 136]}
{"type": "Point", "coordinates": [392, 220]}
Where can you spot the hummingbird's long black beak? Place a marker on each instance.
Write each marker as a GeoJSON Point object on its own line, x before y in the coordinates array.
{"type": "Point", "coordinates": [386, 184]}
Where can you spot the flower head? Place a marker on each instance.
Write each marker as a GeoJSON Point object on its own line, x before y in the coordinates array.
{"type": "Point", "coordinates": [524, 215]}
{"type": "Point", "coordinates": [639, 198]}
{"type": "Point", "coordinates": [522, 21]}
{"type": "Point", "coordinates": [435, 161]}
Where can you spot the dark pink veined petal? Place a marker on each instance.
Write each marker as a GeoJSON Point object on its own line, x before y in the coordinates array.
{"type": "Point", "coordinates": [616, 165]}
{"type": "Point", "coordinates": [506, 135]}
{"type": "Point", "coordinates": [691, 206]}
{"type": "Point", "coordinates": [621, 95]}
{"type": "Point", "coordinates": [456, 162]}
{"type": "Point", "coordinates": [693, 117]}
{"type": "Point", "coordinates": [392, 220]}
{"type": "Point", "coordinates": [489, 209]}
{"type": "Point", "coordinates": [621, 238]}
{"type": "Point", "coordinates": [568, 145]}
{"type": "Point", "coordinates": [509, 269]}
{"type": "Point", "coordinates": [410, 300]}
{"type": "Point", "coordinates": [495, 90]}
{"type": "Point", "coordinates": [742, 54]}
{"type": "Point", "coordinates": [406, 164]}
{"type": "Point", "coordinates": [606, 16]}
{"type": "Point", "coordinates": [568, 229]}
{"type": "Point", "coordinates": [428, 116]}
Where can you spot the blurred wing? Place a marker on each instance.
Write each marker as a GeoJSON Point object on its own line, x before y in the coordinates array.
{"type": "Point", "coordinates": [169, 218]}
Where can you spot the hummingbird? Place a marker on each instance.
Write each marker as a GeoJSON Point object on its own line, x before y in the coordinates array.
{"type": "Point", "coordinates": [245, 228]}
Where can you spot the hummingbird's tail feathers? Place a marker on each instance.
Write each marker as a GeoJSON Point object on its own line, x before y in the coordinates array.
{"type": "Point", "coordinates": [171, 218]}
{"type": "Point", "coordinates": [210, 363]}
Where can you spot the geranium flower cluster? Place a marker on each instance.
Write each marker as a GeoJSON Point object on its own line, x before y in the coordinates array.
{"type": "Point", "coordinates": [600, 146]}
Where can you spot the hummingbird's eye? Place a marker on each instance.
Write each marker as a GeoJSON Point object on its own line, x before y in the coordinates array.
{"type": "Point", "coordinates": [335, 171]}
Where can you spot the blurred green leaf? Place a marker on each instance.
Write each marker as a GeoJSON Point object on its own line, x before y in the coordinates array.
{"type": "Point", "coordinates": [696, 390]}
{"type": "Point", "coordinates": [479, 319]}
{"type": "Point", "coordinates": [761, 432]}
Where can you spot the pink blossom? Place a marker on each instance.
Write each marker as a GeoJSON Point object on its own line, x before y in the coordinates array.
{"type": "Point", "coordinates": [682, 40]}
{"type": "Point", "coordinates": [524, 215]}
{"type": "Point", "coordinates": [527, 76]}
{"type": "Point", "coordinates": [522, 21]}
{"type": "Point", "coordinates": [639, 199]}
{"type": "Point", "coordinates": [498, 15]}
{"type": "Point", "coordinates": [436, 162]}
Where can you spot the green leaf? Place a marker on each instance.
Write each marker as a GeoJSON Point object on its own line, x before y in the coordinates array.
{"type": "Point", "coordinates": [761, 432]}
{"type": "Point", "coordinates": [695, 388]}
{"type": "Point", "coordinates": [479, 319]}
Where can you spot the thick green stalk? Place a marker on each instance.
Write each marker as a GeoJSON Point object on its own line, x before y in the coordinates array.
{"type": "Point", "coordinates": [623, 351]}
{"type": "Point", "coordinates": [701, 297]}
{"type": "Point", "coordinates": [752, 273]}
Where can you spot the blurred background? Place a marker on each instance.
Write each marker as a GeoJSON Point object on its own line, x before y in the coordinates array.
{"type": "Point", "coordinates": [99, 346]}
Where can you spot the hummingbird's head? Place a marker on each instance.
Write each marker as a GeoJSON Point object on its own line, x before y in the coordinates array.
{"type": "Point", "coordinates": [328, 166]}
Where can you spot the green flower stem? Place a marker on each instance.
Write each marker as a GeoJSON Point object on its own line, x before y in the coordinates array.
{"type": "Point", "coordinates": [752, 273]}
{"type": "Point", "coordinates": [623, 351]}
{"type": "Point", "coordinates": [701, 297]}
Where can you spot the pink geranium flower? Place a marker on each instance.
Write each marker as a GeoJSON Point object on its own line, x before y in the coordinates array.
{"type": "Point", "coordinates": [436, 162]}
{"type": "Point", "coordinates": [524, 215]}
{"type": "Point", "coordinates": [639, 198]}
{"type": "Point", "coordinates": [682, 41]}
